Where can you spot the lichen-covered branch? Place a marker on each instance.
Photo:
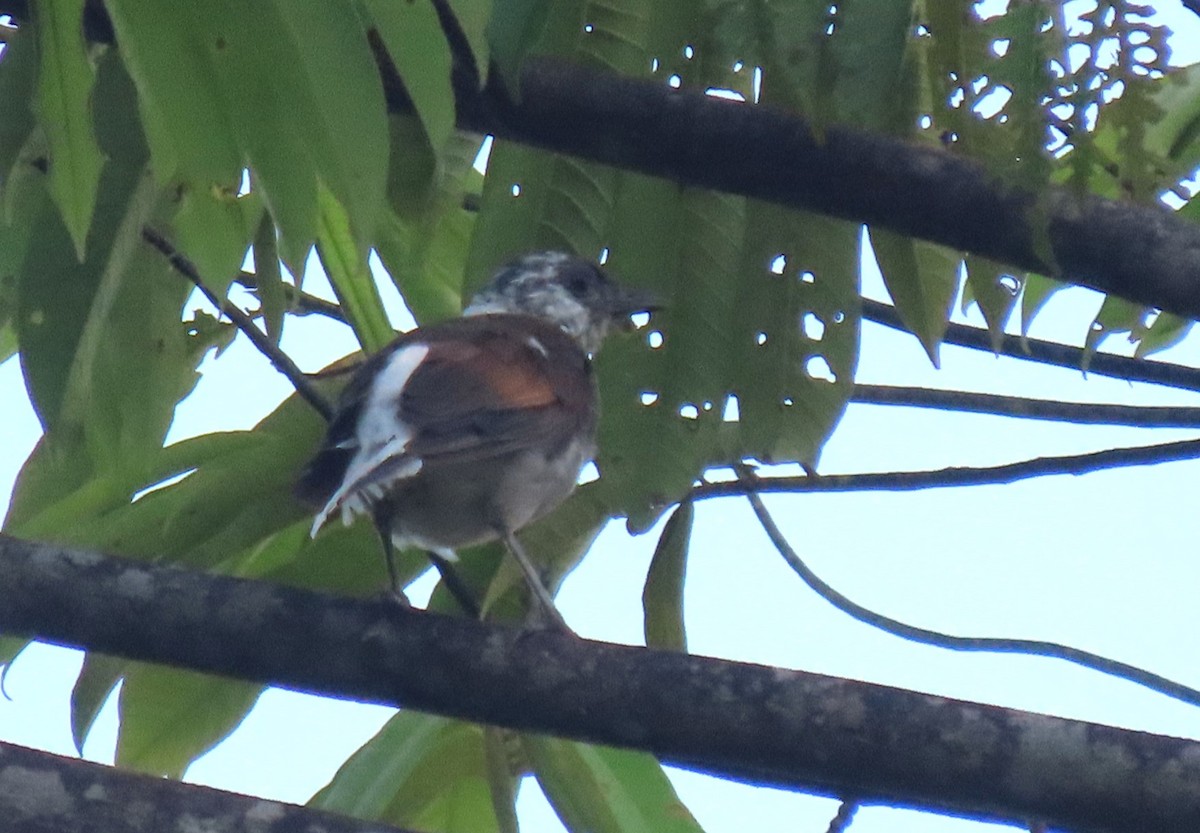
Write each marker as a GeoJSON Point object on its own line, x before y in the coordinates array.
{"type": "Point", "coordinates": [40, 792]}
{"type": "Point", "coordinates": [746, 721]}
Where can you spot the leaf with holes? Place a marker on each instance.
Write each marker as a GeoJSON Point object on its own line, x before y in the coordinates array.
{"type": "Point", "coordinates": [995, 289]}
{"type": "Point", "coordinates": [1116, 315]}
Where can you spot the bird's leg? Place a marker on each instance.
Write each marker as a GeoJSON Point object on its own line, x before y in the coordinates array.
{"type": "Point", "coordinates": [455, 584]}
{"type": "Point", "coordinates": [543, 604]}
{"type": "Point", "coordinates": [383, 526]}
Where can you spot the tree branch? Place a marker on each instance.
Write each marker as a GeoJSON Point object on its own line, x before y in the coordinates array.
{"type": "Point", "coordinates": [299, 301]}
{"type": "Point", "coordinates": [278, 359]}
{"type": "Point", "coordinates": [1079, 413]}
{"type": "Point", "coordinates": [842, 818]}
{"type": "Point", "coordinates": [747, 721]}
{"type": "Point", "coordinates": [1143, 253]}
{"type": "Point", "coordinates": [1049, 352]}
{"type": "Point", "coordinates": [909, 481]}
{"type": "Point", "coordinates": [40, 792]}
{"type": "Point", "coordinates": [926, 636]}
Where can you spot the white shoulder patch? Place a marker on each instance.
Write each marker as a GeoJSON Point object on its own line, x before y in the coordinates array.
{"type": "Point", "coordinates": [381, 438]}
{"type": "Point", "coordinates": [533, 342]}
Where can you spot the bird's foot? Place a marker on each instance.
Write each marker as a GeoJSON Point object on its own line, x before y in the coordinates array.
{"type": "Point", "coordinates": [543, 618]}
{"type": "Point", "coordinates": [396, 596]}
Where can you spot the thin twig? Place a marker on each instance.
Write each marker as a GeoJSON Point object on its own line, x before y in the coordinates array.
{"type": "Point", "coordinates": [1081, 413]}
{"type": "Point", "coordinates": [278, 359]}
{"type": "Point", "coordinates": [841, 820]}
{"type": "Point", "coordinates": [908, 481]}
{"type": "Point", "coordinates": [1032, 647]}
{"type": "Point", "coordinates": [299, 301]}
{"type": "Point", "coordinates": [1049, 352]}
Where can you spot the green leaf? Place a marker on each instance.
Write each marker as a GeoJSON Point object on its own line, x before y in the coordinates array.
{"type": "Point", "coordinates": [96, 681]}
{"type": "Point", "coordinates": [605, 790]}
{"type": "Point", "coordinates": [268, 278]}
{"type": "Point", "coordinates": [425, 238]}
{"type": "Point", "coordinates": [64, 107]}
{"type": "Point", "coordinates": [1167, 330]}
{"type": "Point", "coordinates": [867, 51]}
{"type": "Point", "coordinates": [995, 289]}
{"type": "Point", "coordinates": [415, 43]}
{"type": "Point", "coordinates": [514, 30]}
{"type": "Point", "coordinates": [296, 75]}
{"type": "Point", "coordinates": [213, 229]}
{"type": "Point", "coordinates": [169, 716]}
{"type": "Point", "coordinates": [10, 648]}
{"type": "Point", "coordinates": [502, 776]}
{"type": "Point", "coordinates": [18, 77]}
{"type": "Point", "coordinates": [662, 596]}
{"type": "Point", "coordinates": [189, 128]}
{"type": "Point", "coordinates": [793, 387]}
{"type": "Point", "coordinates": [1175, 135]}
{"type": "Point", "coordinates": [276, 85]}
{"type": "Point", "coordinates": [8, 342]}
{"type": "Point", "coordinates": [922, 279]}
{"type": "Point", "coordinates": [1116, 315]}
{"type": "Point", "coordinates": [346, 264]}
{"type": "Point", "coordinates": [419, 771]}
{"type": "Point", "coordinates": [473, 16]}
{"type": "Point", "coordinates": [788, 40]}
{"type": "Point", "coordinates": [55, 292]}
{"type": "Point", "coordinates": [1037, 290]}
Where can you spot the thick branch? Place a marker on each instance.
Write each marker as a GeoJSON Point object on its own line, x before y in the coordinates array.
{"type": "Point", "coordinates": [1143, 253]}
{"type": "Point", "coordinates": [747, 721]}
{"type": "Point", "coordinates": [40, 792]}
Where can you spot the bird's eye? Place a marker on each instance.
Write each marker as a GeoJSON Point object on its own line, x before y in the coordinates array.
{"type": "Point", "coordinates": [577, 284]}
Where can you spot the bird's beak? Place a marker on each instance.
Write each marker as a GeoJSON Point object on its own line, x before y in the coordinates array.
{"type": "Point", "coordinates": [628, 302]}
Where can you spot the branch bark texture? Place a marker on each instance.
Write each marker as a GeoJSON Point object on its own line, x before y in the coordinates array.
{"type": "Point", "coordinates": [746, 721]}
{"type": "Point", "coordinates": [41, 792]}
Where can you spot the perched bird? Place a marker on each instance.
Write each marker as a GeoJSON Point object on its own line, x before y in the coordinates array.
{"type": "Point", "coordinates": [467, 430]}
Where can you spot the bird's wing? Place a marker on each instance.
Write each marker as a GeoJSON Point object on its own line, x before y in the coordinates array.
{"type": "Point", "coordinates": [467, 389]}
{"type": "Point", "coordinates": [495, 393]}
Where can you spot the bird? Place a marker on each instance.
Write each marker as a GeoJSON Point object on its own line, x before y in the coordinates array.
{"type": "Point", "coordinates": [467, 430]}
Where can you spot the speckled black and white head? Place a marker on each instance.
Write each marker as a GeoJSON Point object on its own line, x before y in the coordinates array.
{"type": "Point", "coordinates": [572, 292]}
